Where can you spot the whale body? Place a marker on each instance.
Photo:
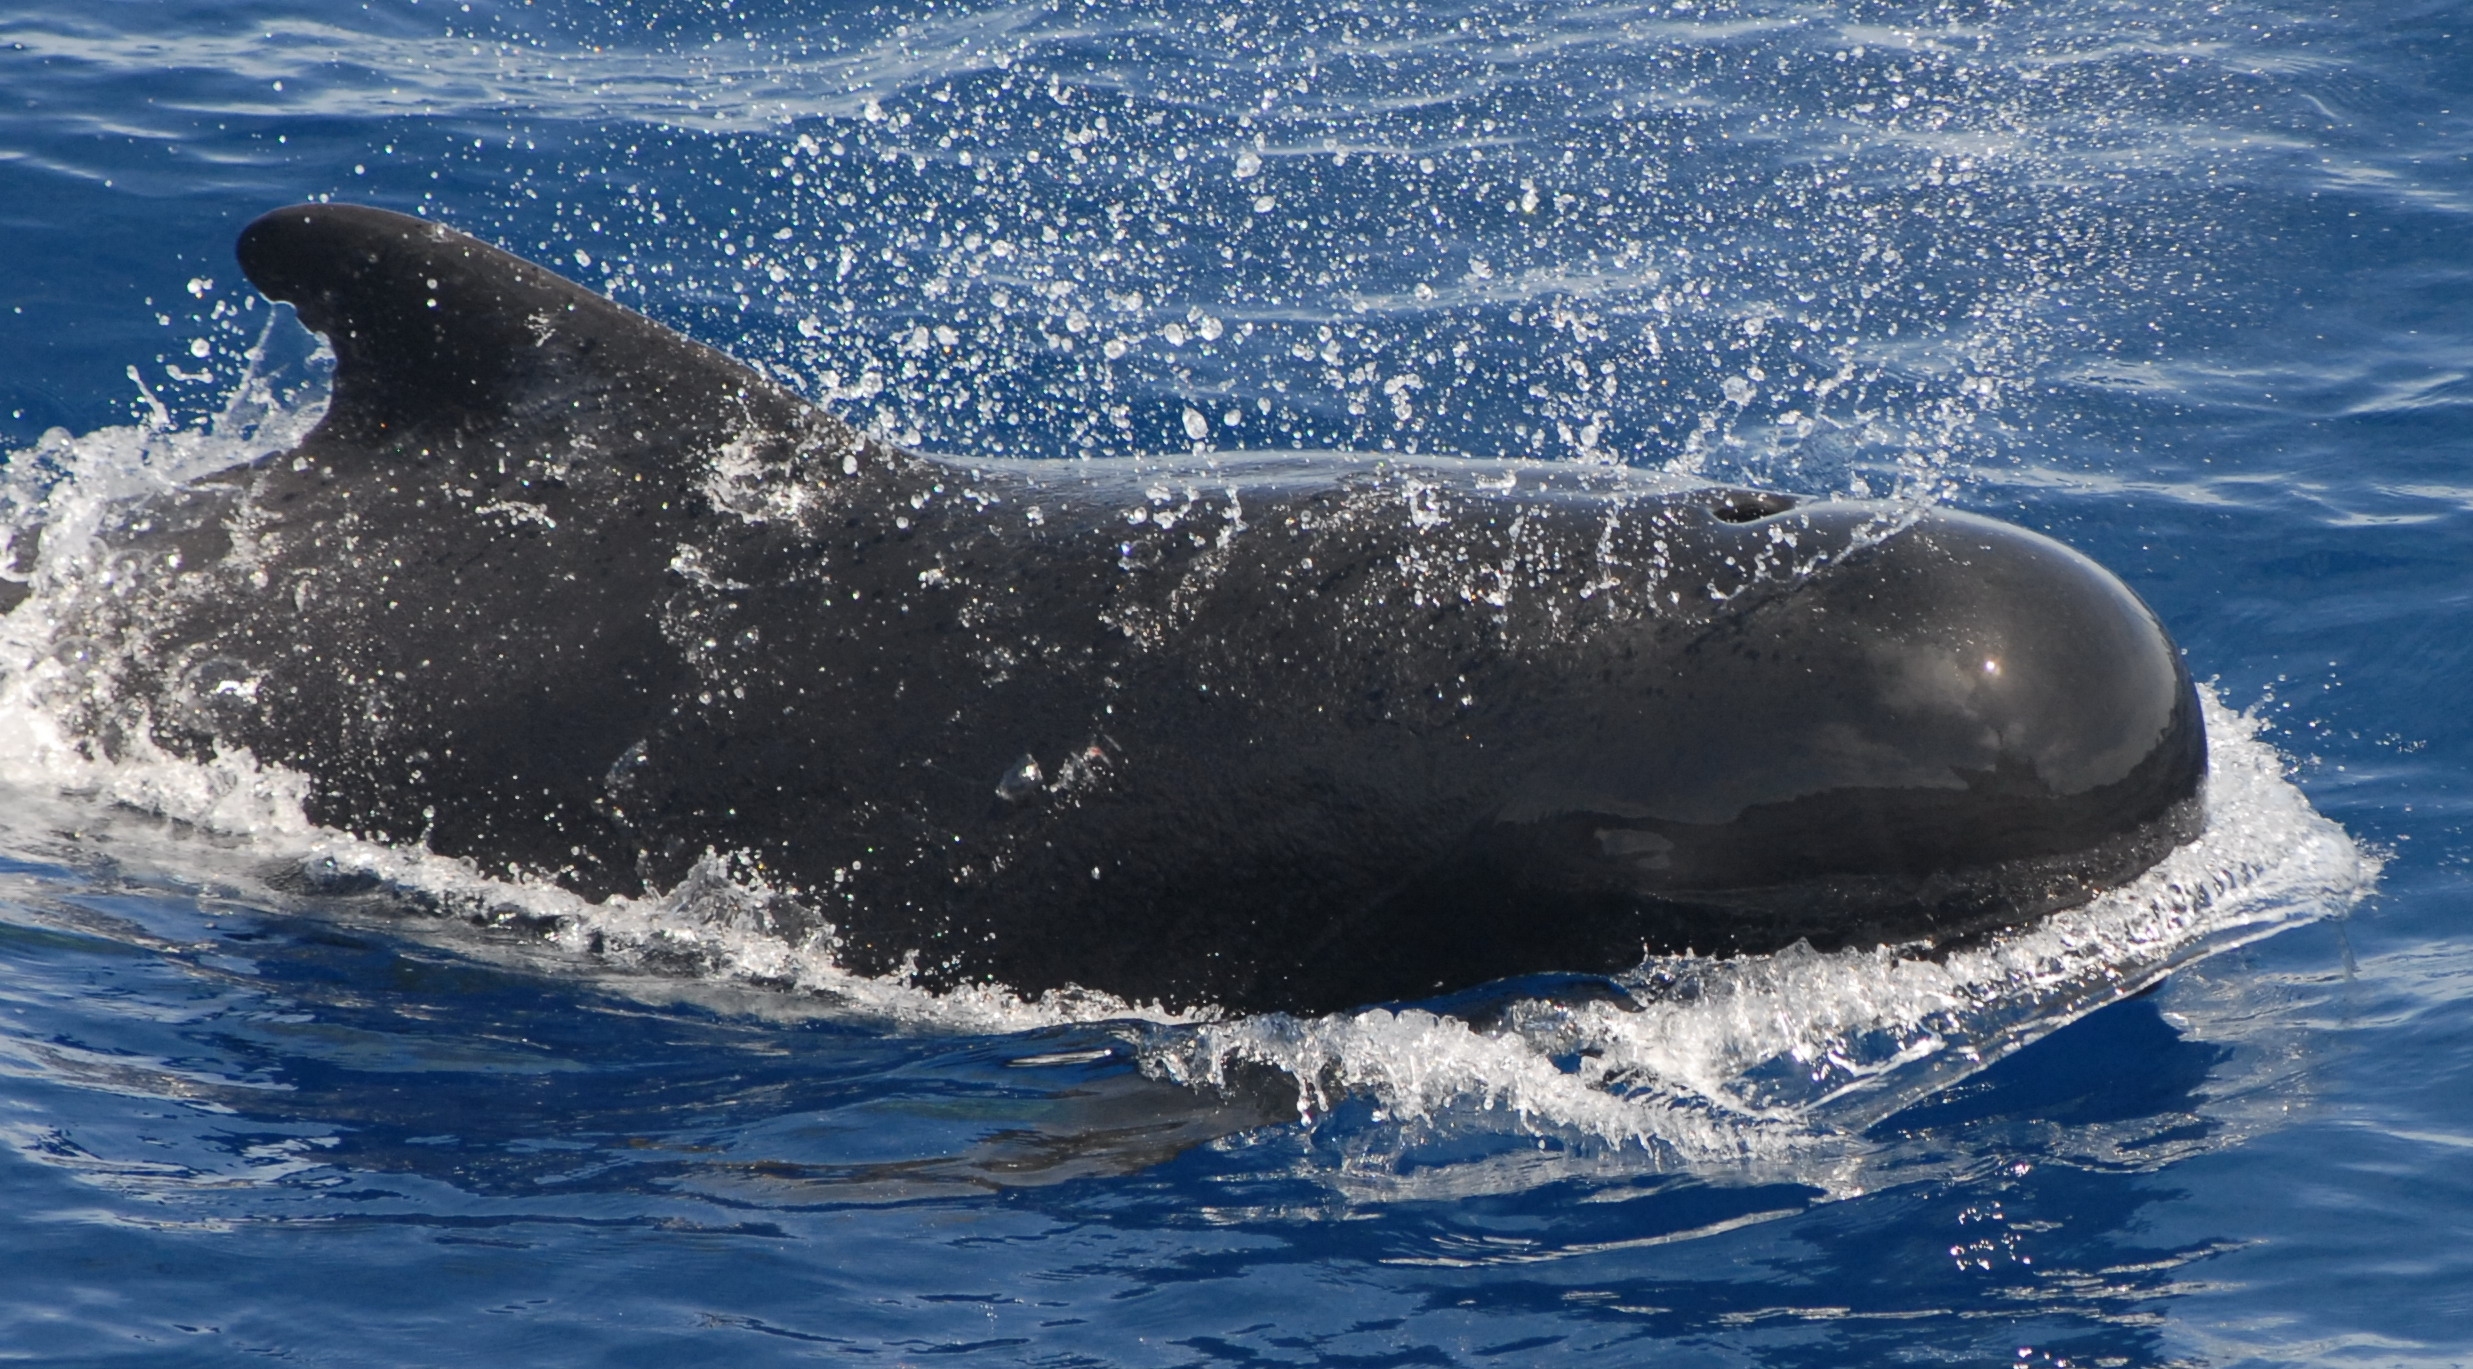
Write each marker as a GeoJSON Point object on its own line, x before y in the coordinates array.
{"type": "Point", "coordinates": [559, 591]}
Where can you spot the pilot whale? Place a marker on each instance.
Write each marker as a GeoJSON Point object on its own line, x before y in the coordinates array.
{"type": "Point", "coordinates": [555, 590]}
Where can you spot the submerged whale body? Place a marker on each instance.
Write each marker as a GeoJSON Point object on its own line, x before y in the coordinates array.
{"type": "Point", "coordinates": [555, 589]}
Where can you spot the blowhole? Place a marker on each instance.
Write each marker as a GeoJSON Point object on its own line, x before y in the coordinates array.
{"type": "Point", "coordinates": [1750, 506]}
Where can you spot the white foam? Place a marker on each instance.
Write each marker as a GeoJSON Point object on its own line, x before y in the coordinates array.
{"type": "Point", "coordinates": [66, 488]}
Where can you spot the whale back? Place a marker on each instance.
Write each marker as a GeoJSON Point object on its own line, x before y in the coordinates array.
{"type": "Point", "coordinates": [447, 601]}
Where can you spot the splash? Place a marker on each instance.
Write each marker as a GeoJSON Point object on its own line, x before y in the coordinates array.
{"type": "Point", "coordinates": [55, 500]}
{"type": "Point", "coordinates": [1737, 238]}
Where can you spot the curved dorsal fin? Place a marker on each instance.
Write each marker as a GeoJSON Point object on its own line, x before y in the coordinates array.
{"type": "Point", "coordinates": [446, 344]}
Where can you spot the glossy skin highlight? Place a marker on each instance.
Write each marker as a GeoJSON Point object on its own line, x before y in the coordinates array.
{"type": "Point", "coordinates": [557, 590]}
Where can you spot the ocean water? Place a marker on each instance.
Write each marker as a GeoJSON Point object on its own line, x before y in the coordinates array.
{"type": "Point", "coordinates": [2189, 287]}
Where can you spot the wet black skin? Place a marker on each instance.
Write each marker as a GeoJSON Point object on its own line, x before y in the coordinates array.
{"type": "Point", "coordinates": [557, 590]}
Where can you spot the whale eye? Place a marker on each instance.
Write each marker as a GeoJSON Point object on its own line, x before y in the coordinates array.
{"type": "Point", "coordinates": [1749, 506]}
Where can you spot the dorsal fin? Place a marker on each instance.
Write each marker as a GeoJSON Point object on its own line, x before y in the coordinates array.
{"type": "Point", "coordinates": [445, 343]}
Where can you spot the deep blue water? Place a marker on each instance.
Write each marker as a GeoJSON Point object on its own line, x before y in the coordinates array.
{"type": "Point", "coordinates": [2188, 287]}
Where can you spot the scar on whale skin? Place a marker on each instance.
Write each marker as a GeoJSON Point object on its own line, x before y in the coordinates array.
{"type": "Point", "coordinates": [557, 590]}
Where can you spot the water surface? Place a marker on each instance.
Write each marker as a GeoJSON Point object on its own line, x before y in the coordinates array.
{"type": "Point", "coordinates": [2186, 287]}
